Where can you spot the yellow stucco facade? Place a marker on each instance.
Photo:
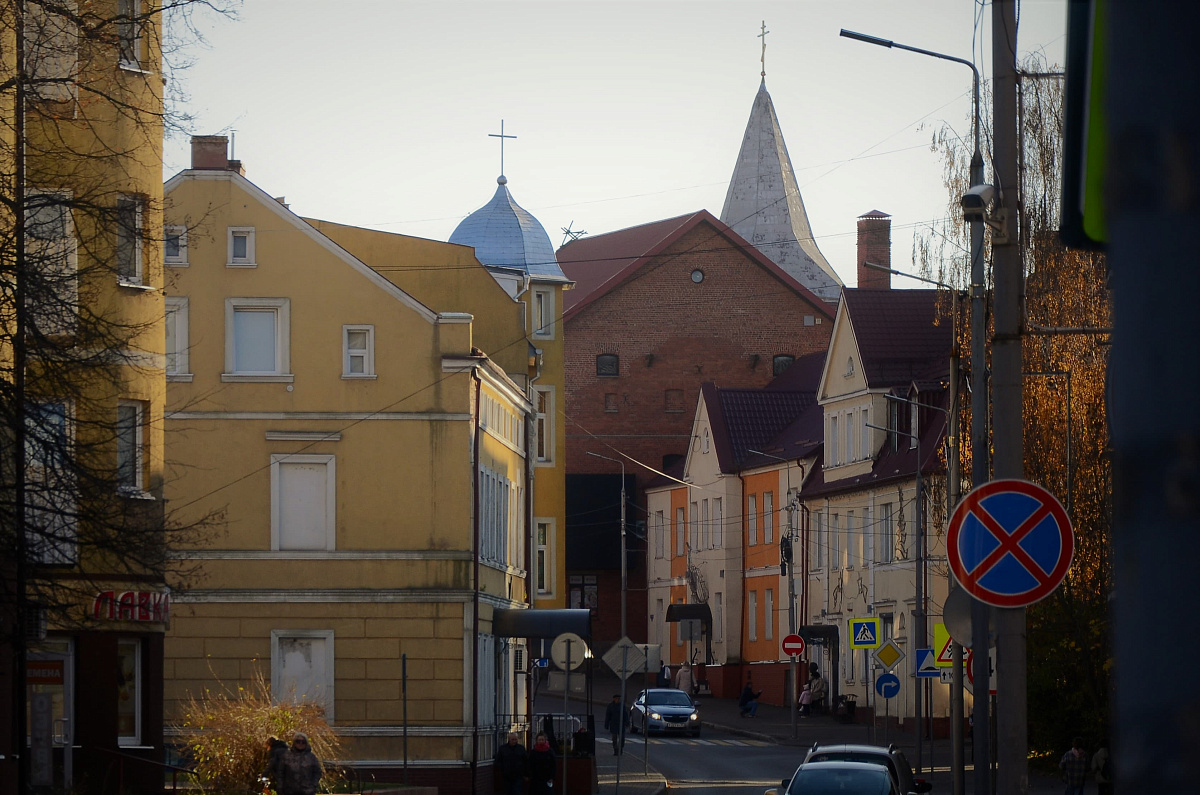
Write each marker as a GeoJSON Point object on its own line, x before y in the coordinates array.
{"type": "Point", "coordinates": [365, 462]}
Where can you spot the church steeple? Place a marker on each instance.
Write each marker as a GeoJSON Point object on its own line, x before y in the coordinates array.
{"type": "Point", "coordinates": [764, 206]}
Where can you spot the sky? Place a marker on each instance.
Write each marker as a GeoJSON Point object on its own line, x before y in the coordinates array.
{"type": "Point", "coordinates": [377, 113]}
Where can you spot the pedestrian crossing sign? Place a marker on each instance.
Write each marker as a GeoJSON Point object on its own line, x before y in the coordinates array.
{"type": "Point", "coordinates": [864, 633]}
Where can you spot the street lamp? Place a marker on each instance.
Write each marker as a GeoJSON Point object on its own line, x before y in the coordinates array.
{"type": "Point", "coordinates": [791, 577]}
{"type": "Point", "coordinates": [979, 422]}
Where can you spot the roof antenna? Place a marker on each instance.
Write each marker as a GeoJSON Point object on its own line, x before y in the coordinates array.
{"type": "Point", "coordinates": [570, 236]}
{"type": "Point", "coordinates": [763, 59]}
{"type": "Point", "coordinates": [501, 136]}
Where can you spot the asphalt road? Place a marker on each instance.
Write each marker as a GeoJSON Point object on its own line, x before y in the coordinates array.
{"type": "Point", "coordinates": [712, 764]}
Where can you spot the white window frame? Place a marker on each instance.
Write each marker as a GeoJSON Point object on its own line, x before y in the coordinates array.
{"type": "Point", "coordinates": [177, 306]}
{"type": "Point", "coordinates": [850, 556]}
{"type": "Point", "coordinates": [367, 354]}
{"type": "Point", "coordinates": [835, 542]}
{"type": "Point", "coordinates": [887, 533]}
{"type": "Point", "coordinates": [680, 530]}
{"type": "Point", "coordinates": [705, 526]}
{"type": "Point", "coordinates": [659, 533]}
{"type": "Point", "coordinates": [752, 616]}
{"type": "Point", "coordinates": [180, 259]}
{"type": "Point", "coordinates": [137, 486]}
{"type": "Point", "coordinates": [281, 307]}
{"type": "Point", "coordinates": [544, 425]}
{"type": "Point", "coordinates": [59, 258]}
{"type": "Point", "coordinates": [913, 424]}
{"type": "Point", "coordinates": [850, 436]}
{"type": "Point", "coordinates": [718, 526]}
{"type": "Point", "coordinates": [818, 554]}
{"type": "Point", "coordinates": [752, 520]}
{"type": "Point", "coordinates": [542, 307]}
{"type": "Point", "coordinates": [277, 665]}
{"type": "Point", "coordinates": [865, 441]}
{"type": "Point", "coordinates": [130, 38]}
{"type": "Point", "coordinates": [134, 238]}
{"type": "Point", "coordinates": [52, 51]}
{"type": "Point", "coordinates": [769, 614]}
{"type": "Point", "coordinates": [833, 440]}
{"type": "Point", "coordinates": [866, 536]}
{"type": "Point", "coordinates": [330, 463]}
{"type": "Point", "coordinates": [125, 740]}
{"type": "Point", "coordinates": [544, 578]}
{"type": "Point", "coordinates": [718, 617]}
{"type": "Point", "coordinates": [768, 517]}
{"type": "Point", "coordinates": [247, 261]}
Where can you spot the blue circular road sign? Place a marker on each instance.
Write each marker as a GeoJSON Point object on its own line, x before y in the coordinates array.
{"type": "Point", "coordinates": [887, 685]}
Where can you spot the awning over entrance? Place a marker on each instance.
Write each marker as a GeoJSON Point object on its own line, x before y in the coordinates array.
{"type": "Point", "coordinates": [509, 623]}
{"type": "Point", "coordinates": [701, 613]}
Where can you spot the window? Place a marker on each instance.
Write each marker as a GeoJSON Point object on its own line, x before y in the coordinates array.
{"type": "Point", "coordinates": [718, 617]}
{"type": "Point", "coordinates": [768, 517]}
{"type": "Point", "coordinates": [544, 564]}
{"type": "Point", "coordinates": [694, 539]}
{"type": "Point", "coordinates": [52, 291]}
{"type": "Point", "coordinates": [781, 363]}
{"type": "Point", "coordinates": [50, 515]}
{"type": "Point", "coordinates": [51, 50]}
{"type": "Point", "coordinates": [752, 519]}
{"type": "Point", "coordinates": [240, 245]}
{"type": "Point", "coordinates": [130, 240]}
{"type": "Point", "coordinates": [543, 313]}
{"type": "Point", "coordinates": [544, 424]}
{"type": "Point", "coordinates": [705, 527]}
{"type": "Point", "coordinates": [705, 441]}
{"type": "Point", "coordinates": [718, 530]}
{"type": "Point", "coordinates": [835, 542]}
{"type": "Point", "coordinates": [257, 339]}
{"type": "Point", "coordinates": [302, 667]}
{"type": "Point", "coordinates": [680, 539]}
{"type": "Point", "coordinates": [850, 436]}
{"type": "Point", "coordinates": [496, 517]}
{"type": "Point", "coordinates": [175, 245]}
{"type": "Point", "coordinates": [303, 502]}
{"type": "Point", "coordinates": [913, 425]}
{"type": "Point", "coordinates": [177, 339]}
{"type": "Point", "coordinates": [131, 417]}
{"type": "Point", "coordinates": [673, 401]}
{"type": "Point", "coordinates": [129, 33]}
{"type": "Point", "coordinates": [864, 417]}
{"type": "Point", "coordinates": [659, 532]}
{"type": "Point", "coordinates": [851, 559]}
{"type": "Point", "coordinates": [866, 536]}
{"type": "Point", "coordinates": [752, 616]}
{"type": "Point", "coordinates": [610, 402]}
{"type": "Point", "coordinates": [769, 614]}
{"type": "Point", "coordinates": [893, 425]}
{"type": "Point", "coordinates": [358, 351]}
{"type": "Point", "coordinates": [608, 365]}
{"type": "Point", "coordinates": [129, 692]}
{"type": "Point", "coordinates": [833, 440]}
{"type": "Point", "coordinates": [818, 539]}
{"type": "Point", "coordinates": [887, 534]}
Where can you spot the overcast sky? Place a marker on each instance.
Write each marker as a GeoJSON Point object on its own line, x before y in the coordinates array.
{"type": "Point", "coordinates": [377, 112]}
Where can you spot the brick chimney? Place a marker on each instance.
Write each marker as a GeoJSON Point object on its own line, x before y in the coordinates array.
{"type": "Point", "coordinates": [874, 246]}
{"type": "Point", "coordinates": [211, 152]}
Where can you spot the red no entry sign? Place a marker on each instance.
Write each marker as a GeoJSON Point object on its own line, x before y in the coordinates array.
{"type": "Point", "coordinates": [1009, 543]}
{"type": "Point", "coordinates": [793, 644]}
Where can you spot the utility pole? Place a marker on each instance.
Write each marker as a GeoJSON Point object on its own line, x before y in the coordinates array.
{"type": "Point", "coordinates": [1011, 718]}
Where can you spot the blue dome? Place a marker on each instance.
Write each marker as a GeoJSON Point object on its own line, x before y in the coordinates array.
{"type": "Point", "coordinates": [504, 235]}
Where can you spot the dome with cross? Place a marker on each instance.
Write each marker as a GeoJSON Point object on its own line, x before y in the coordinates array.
{"type": "Point", "coordinates": [505, 235]}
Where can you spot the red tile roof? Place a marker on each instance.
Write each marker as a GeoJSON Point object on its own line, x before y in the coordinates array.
{"type": "Point", "coordinates": [900, 337]}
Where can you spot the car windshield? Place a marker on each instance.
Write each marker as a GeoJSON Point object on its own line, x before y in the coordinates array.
{"type": "Point", "coordinates": [852, 756]}
{"type": "Point", "coordinates": [841, 781]}
{"type": "Point", "coordinates": [669, 698]}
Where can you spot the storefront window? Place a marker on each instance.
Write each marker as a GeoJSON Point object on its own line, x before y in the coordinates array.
{"type": "Point", "coordinates": [129, 692]}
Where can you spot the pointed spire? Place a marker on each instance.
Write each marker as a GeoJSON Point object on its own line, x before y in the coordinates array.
{"type": "Point", "coordinates": [764, 206]}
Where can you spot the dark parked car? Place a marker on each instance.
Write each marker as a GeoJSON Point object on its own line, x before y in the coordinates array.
{"type": "Point", "coordinates": [839, 778]}
{"type": "Point", "coordinates": [663, 709]}
{"type": "Point", "coordinates": [888, 756]}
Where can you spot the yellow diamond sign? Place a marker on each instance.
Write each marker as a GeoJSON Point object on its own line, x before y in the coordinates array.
{"type": "Point", "coordinates": [889, 654]}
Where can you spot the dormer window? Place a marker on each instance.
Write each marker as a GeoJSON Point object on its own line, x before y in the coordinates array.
{"type": "Point", "coordinates": [893, 425]}
{"type": "Point", "coordinates": [913, 424]}
{"type": "Point", "coordinates": [704, 441]}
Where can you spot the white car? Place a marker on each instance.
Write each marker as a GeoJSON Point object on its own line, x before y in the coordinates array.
{"type": "Point", "coordinates": [663, 709]}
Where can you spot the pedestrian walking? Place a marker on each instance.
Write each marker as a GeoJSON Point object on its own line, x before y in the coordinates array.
{"type": "Point", "coordinates": [299, 769]}
{"type": "Point", "coordinates": [1102, 769]}
{"type": "Point", "coordinates": [511, 760]}
{"type": "Point", "coordinates": [748, 700]}
{"type": "Point", "coordinates": [683, 678]}
{"type": "Point", "coordinates": [276, 748]}
{"type": "Point", "coordinates": [1074, 766]}
{"type": "Point", "coordinates": [664, 676]}
{"type": "Point", "coordinates": [541, 767]}
{"type": "Point", "coordinates": [616, 720]}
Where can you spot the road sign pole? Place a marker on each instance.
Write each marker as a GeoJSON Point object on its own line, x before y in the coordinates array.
{"type": "Point", "coordinates": [566, 692]}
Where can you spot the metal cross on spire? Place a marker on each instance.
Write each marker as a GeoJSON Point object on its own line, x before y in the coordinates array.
{"type": "Point", "coordinates": [763, 59]}
{"type": "Point", "coordinates": [501, 136]}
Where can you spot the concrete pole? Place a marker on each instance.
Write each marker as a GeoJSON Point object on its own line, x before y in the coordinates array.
{"type": "Point", "coordinates": [1011, 719]}
{"type": "Point", "coordinates": [919, 631]}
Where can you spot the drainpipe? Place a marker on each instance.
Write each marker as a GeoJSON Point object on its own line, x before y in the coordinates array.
{"type": "Point", "coordinates": [530, 526]}
{"type": "Point", "coordinates": [475, 593]}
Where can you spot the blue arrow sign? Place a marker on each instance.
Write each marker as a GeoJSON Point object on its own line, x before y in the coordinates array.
{"type": "Point", "coordinates": [887, 685]}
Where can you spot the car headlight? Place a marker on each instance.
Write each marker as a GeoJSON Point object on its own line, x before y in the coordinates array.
{"type": "Point", "coordinates": [655, 716]}
{"type": "Point", "coordinates": [695, 716]}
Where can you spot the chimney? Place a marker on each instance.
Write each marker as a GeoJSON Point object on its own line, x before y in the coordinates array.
{"type": "Point", "coordinates": [874, 246]}
{"type": "Point", "coordinates": [211, 152]}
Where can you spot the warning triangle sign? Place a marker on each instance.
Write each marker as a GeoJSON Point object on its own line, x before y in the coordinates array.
{"type": "Point", "coordinates": [865, 634]}
{"type": "Point", "coordinates": [944, 655]}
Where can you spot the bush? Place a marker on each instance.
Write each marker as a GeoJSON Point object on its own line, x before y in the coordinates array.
{"type": "Point", "coordinates": [227, 733]}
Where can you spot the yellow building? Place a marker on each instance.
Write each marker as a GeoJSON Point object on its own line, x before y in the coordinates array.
{"type": "Point", "coordinates": [81, 154]}
{"type": "Point", "coordinates": [368, 463]}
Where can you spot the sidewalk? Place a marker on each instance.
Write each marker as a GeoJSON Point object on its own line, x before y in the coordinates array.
{"type": "Point", "coordinates": [773, 724]}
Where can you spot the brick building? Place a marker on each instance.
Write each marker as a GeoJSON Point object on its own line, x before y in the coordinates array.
{"type": "Point", "coordinates": [658, 310]}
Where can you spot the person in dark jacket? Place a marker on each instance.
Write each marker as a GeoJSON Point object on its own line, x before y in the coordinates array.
{"type": "Point", "coordinates": [616, 720]}
{"type": "Point", "coordinates": [299, 770]}
{"type": "Point", "coordinates": [511, 760]}
{"type": "Point", "coordinates": [541, 767]}
{"type": "Point", "coordinates": [748, 700]}
{"type": "Point", "coordinates": [276, 748]}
